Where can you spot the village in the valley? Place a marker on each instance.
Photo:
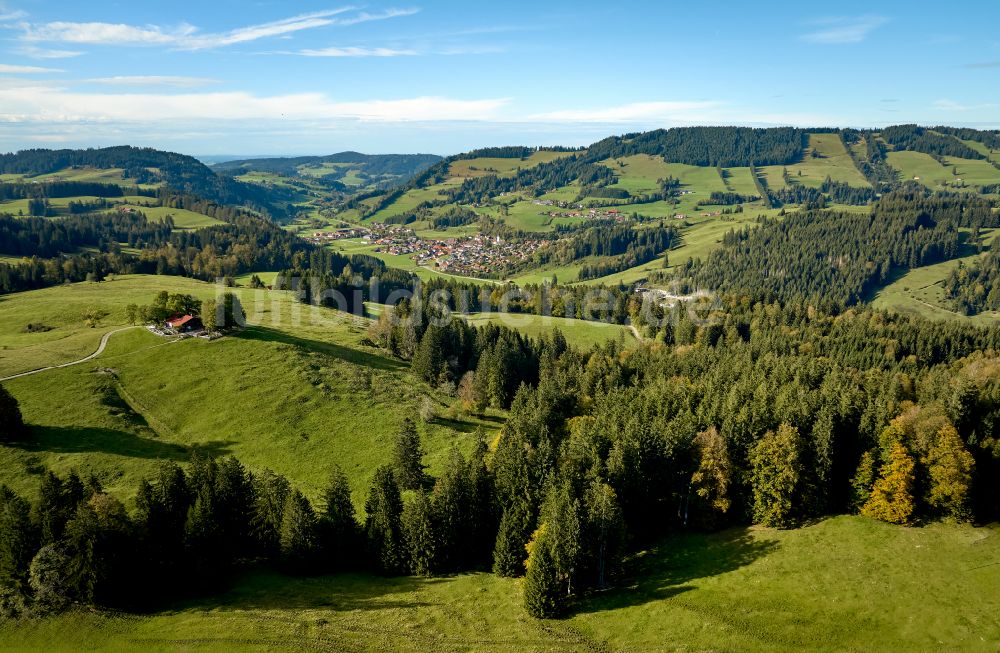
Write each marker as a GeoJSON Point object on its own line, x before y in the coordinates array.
{"type": "Point", "coordinates": [476, 255]}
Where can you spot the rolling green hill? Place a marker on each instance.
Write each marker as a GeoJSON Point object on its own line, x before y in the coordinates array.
{"type": "Point", "coordinates": [290, 388]}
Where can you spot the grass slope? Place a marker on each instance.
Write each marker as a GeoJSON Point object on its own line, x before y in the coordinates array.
{"type": "Point", "coordinates": [288, 393]}
{"type": "Point", "coordinates": [844, 584]}
{"type": "Point", "coordinates": [579, 333]}
{"type": "Point", "coordinates": [920, 291]}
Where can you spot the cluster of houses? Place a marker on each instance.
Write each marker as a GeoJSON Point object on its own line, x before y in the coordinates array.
{"type": "Point", "coordinates": [478, 255]}
{"type": "Point", "coordinates": [467, 255]}
{"type": "Point", "coordinates": [593, 214]}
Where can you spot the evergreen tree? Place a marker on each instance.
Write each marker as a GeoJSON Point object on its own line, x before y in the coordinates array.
{"type": "Point", "coordinates": [483, 506]}
{"type": "Point", "coordinates": [561, 515]}
{"type": "Point", "coordinates": [11, 424]}
{"type": "Point", "coordinates": [383, 524]}
{"type": "Point", "coordinates": [776, 476]}
{"type": "Point", "coordinates": [408, 457]}
{"type": "Point", "coordinates": [950, 468]}
{"type": "Point", "coordinates": [453, 514]}
{"type": "Point", "coordinates": [420, 535]}
{"type": "Point", "coordinates": [338, 526]}
{"type": "Point", "coordinates": [298, 534]}
{"type": "Point", "coordinates": [514, 532]}
{"type": "Point", "coordinates": [543, 595]}
{"type": "Point", "coordinates": [270, 498]}
{"type": "Point", "coordinates": [604, 530]}
{"type": "Point", "coordinates": [18, 539]}
{"type": "Point", "coordinates": [891, 499]}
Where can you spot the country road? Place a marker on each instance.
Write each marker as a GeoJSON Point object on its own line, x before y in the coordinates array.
{"type": "Point", "coordinates": [100, 350]}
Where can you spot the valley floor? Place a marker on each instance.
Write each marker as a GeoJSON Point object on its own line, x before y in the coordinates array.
{"type": "Point", "coordinates": [844, 584]}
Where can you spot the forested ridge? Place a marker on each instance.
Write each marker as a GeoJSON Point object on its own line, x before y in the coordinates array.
{"type": "Point", "coordinates": [836, 259]}
{"type": "Point", "coordinates": [398, 165]}
{"type": "Point", "coordinates": [182, 173]}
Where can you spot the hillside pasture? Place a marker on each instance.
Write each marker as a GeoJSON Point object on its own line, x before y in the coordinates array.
{"type": "Point", "coordinates": [739, 180]}
{"type": "Point", "coordinates": [502, 167]}
{"type": "Point", "coordinates": [917, 166]}
{"type": "Point", "coordinates": [920, 291]}
{"type": "Point", "coordinates": [843, 584]}
{"type": "Point", "coordinates": [579, 333]}
{"type": "Point", "coordinates": [824, 157]}
{"type": "Point", "coordinates": [288, 393]}
{"type": "Point", "coordinates": [972, 172]}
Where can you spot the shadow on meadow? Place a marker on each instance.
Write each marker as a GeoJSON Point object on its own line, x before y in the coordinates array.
{"type": "Point", "coordinates": [270, 590]}
{"type": "Point", "coordinates": [663, 571]}
{"type": "Point", "coordinates": [60, 439]}
{"type": "Point", "coordinates": [356, 356]}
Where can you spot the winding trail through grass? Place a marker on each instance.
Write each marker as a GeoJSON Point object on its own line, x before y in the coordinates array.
{"type": "Point", "coordinates": [100, 350]}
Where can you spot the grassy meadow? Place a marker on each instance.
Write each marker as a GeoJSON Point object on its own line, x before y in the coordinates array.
{"type": "Point", "coordinates": [843, 584]}
{"type": "Point", "coordinates": [287, 393]}
{"type": "Point", "coordinates": [579, 333]}
{"type": "Point", "coordinates": [920, 291]}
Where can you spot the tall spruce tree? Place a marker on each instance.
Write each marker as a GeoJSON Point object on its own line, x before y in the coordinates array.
{"type": "Point", "coordinates": [338, 525]}
{"type": "Point", "coordinates": [543, 595]}
{"type": "Point", "coordinates": [408, 457]}
{"type": "Point", "coordinates": [18, 539]}
{"type": "Point", "coordinates": [299, 541]}
{"type": "Point", "coordinates": [421, 535]}
{"type": "Point", "coordinates": [383, 523]}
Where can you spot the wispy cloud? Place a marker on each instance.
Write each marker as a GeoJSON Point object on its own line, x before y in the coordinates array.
{"type": "Point", "coordinates": [7, 14]}
{"type": "Point", "coordinates": [951, 105]}
{"type": "Point", "coordinates": [188, 37]}
{"type": "Point", "coordinates": [25, 70]}
{"type": "Point", "coordinates": [33, 103]}
{"type": "Point", "coordinates": [35, 52]}
{"type": "Point", "coordinates": [356, 52]}
{"type": "Point", "coordinates": [152, 80]}
{"type": "Point", "coordinates": [843, 29]}
{"type": "Point", "coordinates": [983, 64]}
{"type": "Point", "coordinates": [365, 17]}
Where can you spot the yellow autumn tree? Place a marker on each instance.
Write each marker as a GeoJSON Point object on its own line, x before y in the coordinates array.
{"type": "Point", "coordinates": [710, 482]}
{"type": "Point", "coordinates": [891, 499]}
{"type": "Point", "coordinates": [950, 467]}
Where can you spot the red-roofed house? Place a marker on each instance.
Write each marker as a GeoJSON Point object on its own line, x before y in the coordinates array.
{"type": "Point", "coordinates": [184, 322]}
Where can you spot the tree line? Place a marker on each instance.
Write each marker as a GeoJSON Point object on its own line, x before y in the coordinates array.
{"type": "Point", "coordinates": [771, 414]}
{"type": "Point", "coordinates": [836, 259]}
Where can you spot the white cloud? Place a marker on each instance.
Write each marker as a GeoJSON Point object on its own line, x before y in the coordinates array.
{"type": "Point", "coordinates": [152, 80]}
{"type": "Point", "coordinates": [357, 52]}
{"type": "Point", "coordinates": [843, 29]}
{"type": "Point", "coordinates": [25, 70]}
{"type": "Point", "coordinates": [104, 33]}
{"type": "Point", "coordinates": [187, 37]}
{"type": "Point", "coordinates": [48, 104]}
{"type": "Point", "coordinates": [35, 52]}
{"type": "Point", "coordinates": [365, 17]}
{"type": "Point", "coordinates": [634, 112]}
{"type": "Point", "coordinates": [952, 105]}
{"type": "Point", "coordinates": [11, 15]}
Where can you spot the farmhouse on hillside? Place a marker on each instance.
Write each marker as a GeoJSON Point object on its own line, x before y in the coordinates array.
{"type": "Point", "coordinates": [184, 323]}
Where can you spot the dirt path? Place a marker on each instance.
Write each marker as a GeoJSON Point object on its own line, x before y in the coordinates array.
{"type": "Point", "coordinates": [100, 350]}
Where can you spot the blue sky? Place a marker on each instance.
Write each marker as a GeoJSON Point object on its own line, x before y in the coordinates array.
{"type": "Point", "coordinates": [245, 78]}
